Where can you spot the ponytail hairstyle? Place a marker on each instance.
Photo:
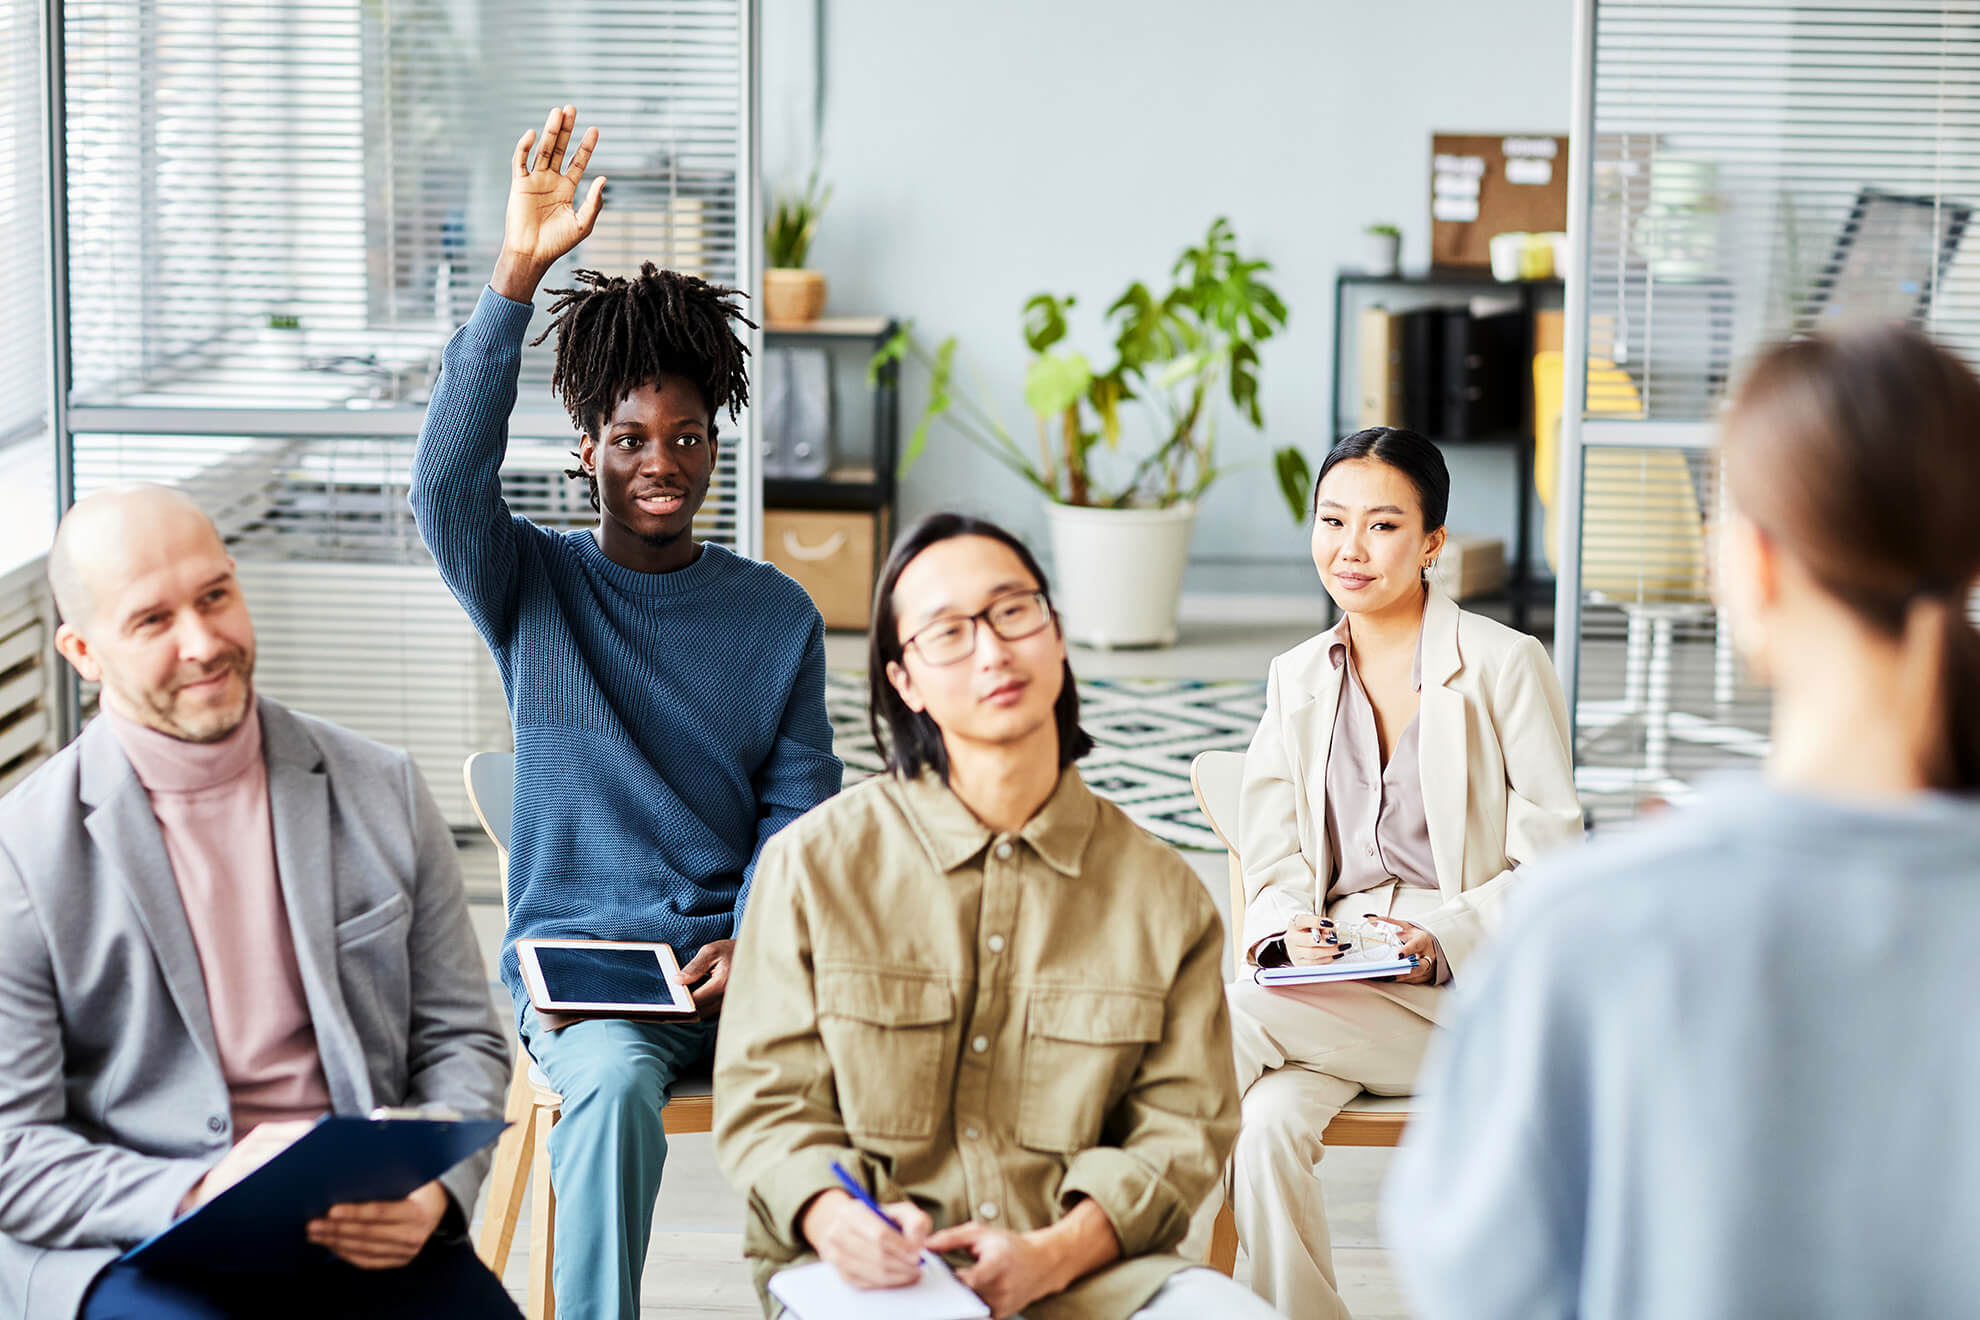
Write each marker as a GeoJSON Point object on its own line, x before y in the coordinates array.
{"type": "Point", "coordinates": [1860, 454]}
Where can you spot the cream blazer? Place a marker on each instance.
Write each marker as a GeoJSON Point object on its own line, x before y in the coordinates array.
{"type": "Point", "coordinates": [1497, 773]}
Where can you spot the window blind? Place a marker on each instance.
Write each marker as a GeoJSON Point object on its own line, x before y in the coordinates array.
{"type": "Point", "coordinates": [279, 213]}
{"type": "Point", "coordinates": [1755, 170]}
{"type": "Point", "coordinates": [23, 224]}
{"type": "Point", "coordinates": [27, 496]}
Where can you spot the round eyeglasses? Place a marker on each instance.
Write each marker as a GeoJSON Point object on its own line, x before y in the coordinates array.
{"type": "Point", "coordinates": [952, 639]}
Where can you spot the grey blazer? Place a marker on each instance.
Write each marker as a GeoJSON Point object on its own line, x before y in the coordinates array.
{"type": "Point", "coordinates": [112, 1103]}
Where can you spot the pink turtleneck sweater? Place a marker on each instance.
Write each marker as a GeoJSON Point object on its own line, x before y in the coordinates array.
{"type": "Point", "coordinates": [211, 801]}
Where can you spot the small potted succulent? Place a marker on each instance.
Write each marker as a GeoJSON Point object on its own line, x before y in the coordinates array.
{"type": "Point", "coordinates": [1383, 241]}
{"type": "Point", "coordinates": [793, 294]}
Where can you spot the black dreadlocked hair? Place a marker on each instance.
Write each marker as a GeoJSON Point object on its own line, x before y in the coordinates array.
{"type": "Point", "coordinates": [615, 335]}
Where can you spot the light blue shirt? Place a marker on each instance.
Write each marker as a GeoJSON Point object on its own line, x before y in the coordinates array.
{"type": "Point", "coordinates": [1728, 1065]}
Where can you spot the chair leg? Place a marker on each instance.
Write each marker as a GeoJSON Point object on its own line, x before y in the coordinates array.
{"type": "Point", "coordinates": [508, 1180]}
{"type": "Point", "coordinates": [1636, 660]}
{"type": "Point", "coordinates": [1657, 702]}
{"type": "Point", "coordinates": [1725, 663]}
{"type": "Point", "coordinates": [542, 1220]}
{"type": "Point", "coordinates": [1224, 1242]}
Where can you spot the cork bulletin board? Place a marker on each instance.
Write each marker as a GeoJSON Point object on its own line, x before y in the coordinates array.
{"type": "Point", "coordinates": [1484, 184]}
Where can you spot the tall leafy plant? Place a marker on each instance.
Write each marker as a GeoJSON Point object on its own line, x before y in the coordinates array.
{"type": "Point", "coordinates": [1181, 353]}
{"type": "Point", "coordinates": [793, 222]}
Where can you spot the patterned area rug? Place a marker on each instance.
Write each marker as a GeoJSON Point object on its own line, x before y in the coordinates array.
{"type": "Point", "coordinates": [1146, 731]}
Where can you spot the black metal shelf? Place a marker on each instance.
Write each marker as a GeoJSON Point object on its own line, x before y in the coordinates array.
{"type": "Point", "coordinates": [862, 489]}
{"type": "Point", "coordinates": [1520, 590]}
{"type": "Point", "coordinates": [1445, 277]}
{"type": "Point", "coordinates": [862, 492]}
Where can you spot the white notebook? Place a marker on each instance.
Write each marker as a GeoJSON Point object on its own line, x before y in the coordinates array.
{"type": "Point", "coordinates": [817, 1292]}
{"type": "Point", "coordinates": [1351, 968]}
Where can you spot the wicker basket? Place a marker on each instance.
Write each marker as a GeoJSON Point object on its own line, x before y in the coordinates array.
{"type": "Point", "coordinates": [792, 296]}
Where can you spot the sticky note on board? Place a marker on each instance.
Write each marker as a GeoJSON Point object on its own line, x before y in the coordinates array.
{"type": "Point", "coordinates": [1529, 170]}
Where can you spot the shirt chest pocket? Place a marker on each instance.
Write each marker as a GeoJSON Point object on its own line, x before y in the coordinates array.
{"type": "Point", "coordinates": [891, 1039]}
{"type": "Point", "coordinates": [1081, 1050]}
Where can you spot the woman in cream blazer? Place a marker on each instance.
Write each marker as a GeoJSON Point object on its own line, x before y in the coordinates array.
{"type": "Point", "coordinates": [1479, 710]}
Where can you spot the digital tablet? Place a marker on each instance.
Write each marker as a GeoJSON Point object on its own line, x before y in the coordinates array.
{"type": "Point", "coordinates": [605, 978]}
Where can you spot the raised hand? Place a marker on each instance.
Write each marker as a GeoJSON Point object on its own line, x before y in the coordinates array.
{"type": "Point", "coordinates": [544, 221]}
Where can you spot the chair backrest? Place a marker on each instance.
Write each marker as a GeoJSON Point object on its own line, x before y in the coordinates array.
{"type": "Point", "coordinates": [1216, 777]}
{"type": "Point", "coordinates": [491, 790]}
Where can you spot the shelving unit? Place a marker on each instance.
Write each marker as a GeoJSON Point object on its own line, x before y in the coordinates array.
{"type": "Point", "coordinates": [831, 533]}
{"type": "Point", "coordinates": [1424, 290]}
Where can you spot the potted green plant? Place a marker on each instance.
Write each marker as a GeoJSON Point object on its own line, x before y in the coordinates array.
{"type": "Point", "coordinates": [1383, 244]}
{"type": "Point", "coordinates": [1121, 515]}
{"type": "Point", "coordinates": [792, 293]}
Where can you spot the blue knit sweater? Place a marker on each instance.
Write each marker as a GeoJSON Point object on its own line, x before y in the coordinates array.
{"type": "Point", "coordinates": [667, 724]}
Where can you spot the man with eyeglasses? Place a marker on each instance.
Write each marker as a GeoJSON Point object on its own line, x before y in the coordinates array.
{"type": "Point", "coordinates": [982, 991]}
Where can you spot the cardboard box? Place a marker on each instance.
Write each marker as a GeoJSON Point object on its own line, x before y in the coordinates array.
{"type": "Point", "coordinates": [830, 555]}
{"type": "Point", "coordinates": [1470, 566]}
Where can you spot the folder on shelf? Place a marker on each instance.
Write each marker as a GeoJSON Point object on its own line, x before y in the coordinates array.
{"type": "Point", "coordinates": [1482, 380]}
{"type": "Point", "coordinates": [260, 1223]}
{"type": "Point", "coordinates": [1423, 370]}
{"type": "Point", "coordinates": [1379, 351]}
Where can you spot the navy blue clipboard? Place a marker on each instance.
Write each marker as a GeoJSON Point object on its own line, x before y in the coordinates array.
{"type": "Point", "coordinates": [260, 1223]}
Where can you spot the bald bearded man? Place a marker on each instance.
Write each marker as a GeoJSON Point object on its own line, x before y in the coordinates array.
{"type": "Point", "coordinates": [219, 921]}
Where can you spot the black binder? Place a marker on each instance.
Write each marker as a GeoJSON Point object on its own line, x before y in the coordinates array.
{"type": "Point", "coordinates": [1480, 374]}
{"type": "Point", "coordinates": [1423, 369]}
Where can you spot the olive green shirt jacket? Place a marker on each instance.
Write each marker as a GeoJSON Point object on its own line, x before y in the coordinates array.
{"type": "Point", "coordinates": [993, 1026]}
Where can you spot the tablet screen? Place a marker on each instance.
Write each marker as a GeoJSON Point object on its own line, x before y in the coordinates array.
{"type": "Point", "coordinates": [603, 976]}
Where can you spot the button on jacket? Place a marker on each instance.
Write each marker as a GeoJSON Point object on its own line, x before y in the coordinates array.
{"type": "Point", "coordinates": [994, 1026]}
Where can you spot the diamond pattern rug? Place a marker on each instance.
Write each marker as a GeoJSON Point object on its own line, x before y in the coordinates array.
{"type": "Point", "coordinates": [1146, 731]}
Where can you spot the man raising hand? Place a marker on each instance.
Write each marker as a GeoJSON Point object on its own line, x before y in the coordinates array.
{"type": "Point", "coordinates": [668, 696]}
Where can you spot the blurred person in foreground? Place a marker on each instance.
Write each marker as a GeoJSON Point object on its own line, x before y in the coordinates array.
{"type": "Point", "coordinates": [1724, 1067]}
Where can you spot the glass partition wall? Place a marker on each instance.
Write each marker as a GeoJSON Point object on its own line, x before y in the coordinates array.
{"type": "Point", "coordinates": [1741, 172]}
{"type": "Point", "coordinates": [278, 212]}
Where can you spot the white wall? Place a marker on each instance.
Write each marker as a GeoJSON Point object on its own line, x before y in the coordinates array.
{"type": "Point", "coordinates": [986, 151]}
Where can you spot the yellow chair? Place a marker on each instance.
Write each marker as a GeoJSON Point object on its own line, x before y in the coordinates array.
{"type": "Point", "coordinates": [522, 1156]}
{"type": "Point", "coordinates": [1366, 1120]}
{"type": "Point", "coordinates": [1643, 550]}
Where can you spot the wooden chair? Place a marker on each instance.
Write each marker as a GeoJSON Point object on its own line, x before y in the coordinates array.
{"type": "Point", "coordinates": [522, 1156]}
{"type": "Point", "coordinates": [1367, 1120]}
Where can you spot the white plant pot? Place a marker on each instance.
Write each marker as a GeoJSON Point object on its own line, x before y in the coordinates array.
{"type": "Point", "coordinates": [1118, 572]}
{"type": "Point", "coordinates": [1380, 251]}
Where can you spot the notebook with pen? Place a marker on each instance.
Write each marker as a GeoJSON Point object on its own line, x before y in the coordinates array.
{"type": "Point", "coordinates": [260, 1223]}
{"type": "Point", "coordinates": [1354, 967]}
{"type": "Point", "coordinates": [819, 1292]}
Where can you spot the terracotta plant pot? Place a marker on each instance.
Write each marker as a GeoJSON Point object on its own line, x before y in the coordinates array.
{"type": "Point", "coordinates": [792, 296]}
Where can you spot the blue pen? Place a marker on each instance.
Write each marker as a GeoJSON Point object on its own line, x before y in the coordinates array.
{"type": "Point", "coordinates": [859, 1194]}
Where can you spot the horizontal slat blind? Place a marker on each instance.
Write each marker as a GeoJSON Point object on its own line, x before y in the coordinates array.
{"type": "Point", "coordinates": [281, 209]}
{"type": "Point", "coordinates": [27, 661]}
{"type": "Point", "coordinates": [27, 492]}
{"type": "Point", "coordinates": [1733, 143]}
{"type": "Point", "coordinates": [23, 225]}
{"type": "Point", "coordinates": [1759, 170]}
